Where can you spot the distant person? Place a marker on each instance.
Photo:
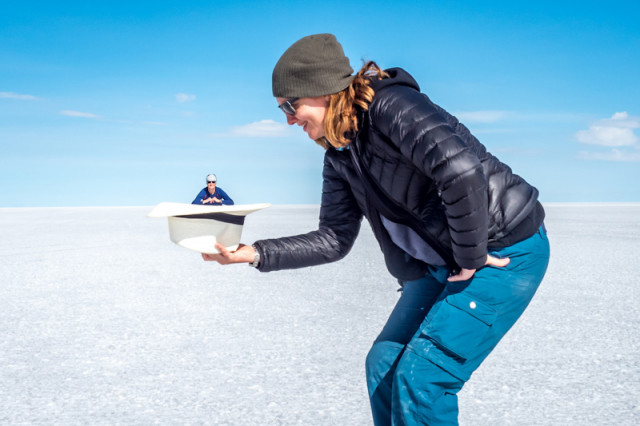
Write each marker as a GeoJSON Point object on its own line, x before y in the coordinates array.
{"type": "Point", "coordinates": [212, 194]}
{"type": "Point", "coordinates": [461, 232]}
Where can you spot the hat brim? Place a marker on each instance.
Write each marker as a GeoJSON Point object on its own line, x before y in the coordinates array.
{"type": "Point", "coordinates": [198, 228]}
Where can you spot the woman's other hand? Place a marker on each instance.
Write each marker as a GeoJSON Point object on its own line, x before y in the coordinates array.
{"type": "Point", "coordinates": [243, 254]}
{"type": "Point", "coordinates": [467, 274]}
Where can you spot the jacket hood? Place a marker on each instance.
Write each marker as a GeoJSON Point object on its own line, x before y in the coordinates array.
{"type": "Point", "coordinates": [397, 76]}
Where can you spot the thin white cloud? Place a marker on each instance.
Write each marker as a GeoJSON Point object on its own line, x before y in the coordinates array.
{"type": "Point", "coordinates": [492, 131]}
{"type": "Point", "coordinates": [69, 113]}
{"type": "Point", "coordinates": [184, 97]}
{"type": "Point", "coordinates": [491, 122]}
{"type": "Point", "coordinates": [614, 154]}
{"type": "Point", "coordinates": [495, 116]}
{"type": "Point", "coordinates": [19, 96]}
{"type": "Point", "coordinates": [613, 132]}
{"type": "Point", "coordinates": [263, 128]}
{"type": "Point", "coordinates": [481, 116]}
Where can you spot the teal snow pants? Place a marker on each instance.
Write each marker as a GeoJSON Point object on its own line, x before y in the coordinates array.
{"type": "Point", "coordinates": [440, 332]}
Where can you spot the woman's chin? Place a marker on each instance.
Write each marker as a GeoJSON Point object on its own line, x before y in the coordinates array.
{"type": "Point", "coordinates": [315, 135]}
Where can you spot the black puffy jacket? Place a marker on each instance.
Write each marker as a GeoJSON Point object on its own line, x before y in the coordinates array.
{"type": "Point", "coordinates": [426, 163]}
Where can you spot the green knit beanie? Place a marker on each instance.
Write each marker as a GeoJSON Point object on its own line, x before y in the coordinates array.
{"type": "Point", "coordinates": [313, 66]}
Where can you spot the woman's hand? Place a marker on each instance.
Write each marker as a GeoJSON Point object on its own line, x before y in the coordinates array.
{"type": "Point", "coordinates": [467, 274]}
{"type": "Point", "coordinates": [243, 254]}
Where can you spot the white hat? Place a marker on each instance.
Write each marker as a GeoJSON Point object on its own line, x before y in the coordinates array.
{"type": "Point", "coordinates": [198, 227]}
{"type": "Point", "coordinates": [211, 178]}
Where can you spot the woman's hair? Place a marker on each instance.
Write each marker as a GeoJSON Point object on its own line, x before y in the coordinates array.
{"type": "Point", "coordinates": [341, 121]}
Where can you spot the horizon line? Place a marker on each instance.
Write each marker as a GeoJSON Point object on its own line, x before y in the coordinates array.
{"type": "Point", "coordinates": [298, 205]}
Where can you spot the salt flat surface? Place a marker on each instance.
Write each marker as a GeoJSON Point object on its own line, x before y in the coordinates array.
{"type": "Point", "coordinates": [104, 321]}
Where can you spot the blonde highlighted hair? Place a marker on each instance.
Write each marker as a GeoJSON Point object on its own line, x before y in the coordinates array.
{"type": "Point", "coordinates": [341, 120]}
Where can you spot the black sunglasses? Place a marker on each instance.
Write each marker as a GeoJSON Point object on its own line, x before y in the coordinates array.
{"type": "Point", "coordinates": [287, 106]}
{"type": "Point", "coordinates": [211, 181]}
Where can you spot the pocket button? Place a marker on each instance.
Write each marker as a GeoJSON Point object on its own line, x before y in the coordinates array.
{"type": "Point", "coordinates": [472, 305]}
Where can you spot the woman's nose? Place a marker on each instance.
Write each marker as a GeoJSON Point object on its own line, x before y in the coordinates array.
{"type": "Point", "coordinates": [291, 119]}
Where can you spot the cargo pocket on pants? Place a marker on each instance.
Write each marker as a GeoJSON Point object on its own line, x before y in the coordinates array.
{"type": "Point", "coordinates": [460, 324]}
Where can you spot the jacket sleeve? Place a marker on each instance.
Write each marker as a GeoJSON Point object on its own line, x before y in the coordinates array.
{"type": "Point", "coordinates": [199, 197]}
{"type": "Point", "coordinates": [415, 126]}
{"type": "Point", "coordinates": [226, 200]}
{"type": "Point", "coordinates": [340, 219]}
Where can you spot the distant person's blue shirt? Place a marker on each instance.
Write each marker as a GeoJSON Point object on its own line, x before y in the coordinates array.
{"type": "Point", "coordinates": [218, 193]}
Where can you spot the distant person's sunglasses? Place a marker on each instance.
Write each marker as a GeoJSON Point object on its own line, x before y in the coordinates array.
{"type": "Point", "coordinates": [211, 181]}
{"type": "Point", "coordinates": [287, 106]}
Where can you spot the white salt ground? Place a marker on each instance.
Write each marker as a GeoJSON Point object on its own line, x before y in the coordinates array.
{"type": "Point", "coordinates": [104, 321]}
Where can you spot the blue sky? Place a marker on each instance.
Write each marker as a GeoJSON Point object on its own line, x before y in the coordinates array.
{"type": "Point", "coordinates": [132, 103]}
